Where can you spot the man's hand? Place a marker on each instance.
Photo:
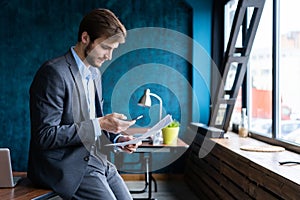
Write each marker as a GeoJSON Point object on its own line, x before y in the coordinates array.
{"type": "Point", "coordinates": [115, 123]}
{"type": "Point", "coordinates": [131, 147]}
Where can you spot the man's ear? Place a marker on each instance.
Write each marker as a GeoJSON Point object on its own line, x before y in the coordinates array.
{"type": "Point", "coordinates": [85, 38]}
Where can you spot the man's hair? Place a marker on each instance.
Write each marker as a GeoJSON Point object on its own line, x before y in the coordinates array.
{"type": "Point", "coordinates": [102, 23]}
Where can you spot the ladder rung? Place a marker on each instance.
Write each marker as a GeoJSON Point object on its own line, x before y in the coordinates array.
{"type": "Point", "coordinates": [230, 101]}
{"type": "Point", "coordinates": [237, 59]}
{"type": "Point", "coordinates": [251, 3]}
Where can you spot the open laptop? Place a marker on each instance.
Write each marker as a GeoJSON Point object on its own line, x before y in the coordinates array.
{"type": "Point", "coordinates": [6, 177]}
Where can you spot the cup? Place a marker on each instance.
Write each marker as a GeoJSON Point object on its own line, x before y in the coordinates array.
{"type": "Point", "coordinates": [170, 135]}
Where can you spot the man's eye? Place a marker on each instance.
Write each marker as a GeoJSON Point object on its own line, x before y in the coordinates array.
{"type": "Point", "coordinates": [105, 47]}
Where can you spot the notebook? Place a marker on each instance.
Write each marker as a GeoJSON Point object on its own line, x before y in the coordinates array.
{"type": "Point", "coordinates": [6, 177]}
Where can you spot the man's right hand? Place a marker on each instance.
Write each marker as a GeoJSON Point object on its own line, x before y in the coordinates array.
{"type": "Point", "coordinates": [115, 123]}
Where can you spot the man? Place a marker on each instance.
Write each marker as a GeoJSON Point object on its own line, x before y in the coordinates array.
{"type": "Point", "coordinates": [68, 129]}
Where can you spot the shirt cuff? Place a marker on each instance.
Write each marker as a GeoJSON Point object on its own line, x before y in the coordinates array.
{"type": "Point", "coordinates": [97, 127]}
{"type": "Point", "coordinates": [117, 137]}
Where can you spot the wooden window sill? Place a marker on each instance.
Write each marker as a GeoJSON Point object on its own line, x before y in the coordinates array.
{"type": "Point", "coordinates": [267, 160]}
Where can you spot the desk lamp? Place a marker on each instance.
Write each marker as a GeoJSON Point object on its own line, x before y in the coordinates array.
{"type": "Point", "coordinates": [145, 101]}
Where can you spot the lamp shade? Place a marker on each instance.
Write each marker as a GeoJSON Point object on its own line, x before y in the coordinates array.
{"type": "Point", "coordinates": [145, 99]}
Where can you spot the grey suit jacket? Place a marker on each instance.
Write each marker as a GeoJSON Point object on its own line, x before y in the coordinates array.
{"type": "Point", "coordinates": [61, 132]}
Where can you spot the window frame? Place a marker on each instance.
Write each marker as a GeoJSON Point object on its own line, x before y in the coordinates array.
{"type": "Point", "coordinates": [276, 111]}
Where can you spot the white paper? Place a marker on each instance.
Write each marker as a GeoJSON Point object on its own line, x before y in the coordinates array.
{"type": "Point", "coordinates": [157, 127]}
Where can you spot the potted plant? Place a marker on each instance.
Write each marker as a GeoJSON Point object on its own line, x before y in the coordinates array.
{"type": "Point", "coordinates": [170, 132]}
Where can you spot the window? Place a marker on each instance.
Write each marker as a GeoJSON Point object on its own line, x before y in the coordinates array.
{"type": "Point", "coordinates": [289, 70]}
{"type": "Point", "coordinates": [267, 84]}
{"type": "Point", "coordinates": [260, 76]}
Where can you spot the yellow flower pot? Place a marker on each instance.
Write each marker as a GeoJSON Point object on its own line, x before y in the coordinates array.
{"type": "Point", "coordinates": [170, 135]}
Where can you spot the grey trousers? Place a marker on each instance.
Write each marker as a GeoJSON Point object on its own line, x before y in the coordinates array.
{"type": "Point", "coordinates": [102, 182]}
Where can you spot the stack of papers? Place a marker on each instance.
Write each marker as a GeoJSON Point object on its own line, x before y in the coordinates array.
{"type": "Point", "coordinates": [157, 127]}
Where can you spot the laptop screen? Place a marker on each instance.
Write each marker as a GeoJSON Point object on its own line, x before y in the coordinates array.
{"type": "Point", "coordinates": [6, 176]}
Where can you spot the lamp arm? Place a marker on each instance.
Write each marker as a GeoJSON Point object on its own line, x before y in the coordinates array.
{"type": "Point", "coordinates": [160, 104]}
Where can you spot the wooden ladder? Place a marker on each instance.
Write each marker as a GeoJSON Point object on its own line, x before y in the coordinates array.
{"type": "Point", "coordinates": [235, 60]}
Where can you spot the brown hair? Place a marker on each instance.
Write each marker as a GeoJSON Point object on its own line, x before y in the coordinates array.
{"type": "Point", "coordinates": [102, 23]}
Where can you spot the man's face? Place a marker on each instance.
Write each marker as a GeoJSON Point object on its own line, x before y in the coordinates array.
{"type": "Point", "coordinates": [99, 51]}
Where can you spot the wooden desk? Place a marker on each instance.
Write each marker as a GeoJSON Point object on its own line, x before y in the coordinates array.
{"type": "Point", "coordinates": [24, 190]}
{"type": "Point", "coordinates": [148, 147]}
{"type": "Point", "coordinates": [146, 150]}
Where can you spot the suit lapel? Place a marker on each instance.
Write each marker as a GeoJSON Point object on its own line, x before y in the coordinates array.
{"type": "Point", "coordinates": [98, 97]}
{"type": "Point", "coordinates": [79, 89]}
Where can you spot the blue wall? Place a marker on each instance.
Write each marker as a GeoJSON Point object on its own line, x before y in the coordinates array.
{"type": "Point", "coordinates": [202, 62]}
{"type": "Point", "coordinates": [34, 31]}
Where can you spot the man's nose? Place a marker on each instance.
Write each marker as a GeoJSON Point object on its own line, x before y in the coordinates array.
{"type": "Point", "coordinates": [108, 56]}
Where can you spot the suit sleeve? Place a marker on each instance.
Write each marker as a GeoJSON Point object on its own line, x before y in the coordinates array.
{"type": "Point", "coordinates": [52, 122]}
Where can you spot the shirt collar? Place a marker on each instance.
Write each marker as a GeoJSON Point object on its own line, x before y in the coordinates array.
{"type": "Point", "coordinates": [85, 72]}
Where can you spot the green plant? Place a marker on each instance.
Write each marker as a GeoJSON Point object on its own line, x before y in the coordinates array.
{"type": "Point", "coordinates": [173, 124]}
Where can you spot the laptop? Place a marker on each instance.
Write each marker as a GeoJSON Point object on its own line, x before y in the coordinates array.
{"type": "Point", "coordinates": [6, 177]}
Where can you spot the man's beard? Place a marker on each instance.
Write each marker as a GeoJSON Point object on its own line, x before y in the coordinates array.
{"type": "Point", "coordinates": [88, 58]}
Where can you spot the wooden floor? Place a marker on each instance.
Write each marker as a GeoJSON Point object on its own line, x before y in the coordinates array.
{"type": "Point", "coordinates": [167, 190]}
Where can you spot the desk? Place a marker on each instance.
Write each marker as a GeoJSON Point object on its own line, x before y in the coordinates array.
{"type": "Point", "coordinates": [24, 190]}
{"type": "Point", "coordinates": [146, 150]}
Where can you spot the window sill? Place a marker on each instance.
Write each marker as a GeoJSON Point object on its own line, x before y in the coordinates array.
{"type": "Point", "coordinates": [267, 160]}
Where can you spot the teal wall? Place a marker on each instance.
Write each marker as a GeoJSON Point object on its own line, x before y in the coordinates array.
{"type": "Point", "coordinates": [34, 31]}
{"type": "Point", "coordinates": [202, 62]}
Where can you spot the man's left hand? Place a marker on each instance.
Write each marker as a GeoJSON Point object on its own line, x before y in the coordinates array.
{"type": "Point", "coordinates": [131, 147]}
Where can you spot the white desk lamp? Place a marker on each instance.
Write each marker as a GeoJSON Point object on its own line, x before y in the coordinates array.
{"type": "Point", "coordinates": [145, 101]}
